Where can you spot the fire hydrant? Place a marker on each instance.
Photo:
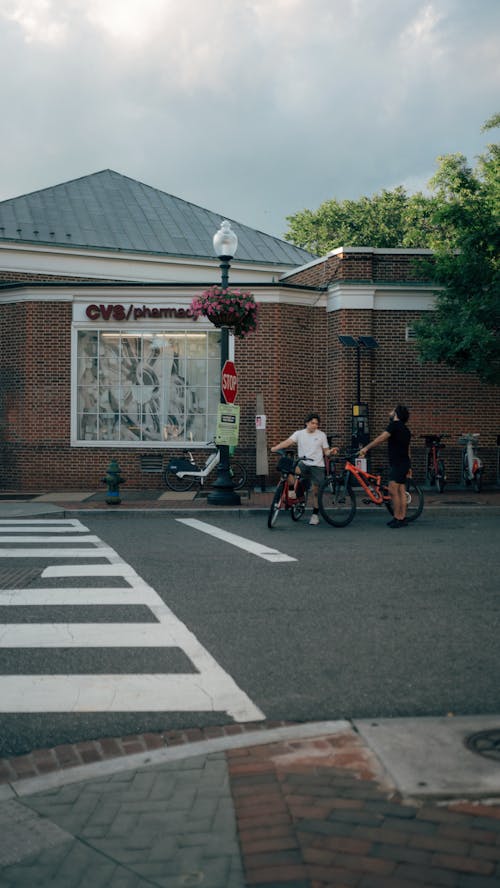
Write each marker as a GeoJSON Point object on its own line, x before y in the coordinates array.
{"type": "Point", "coordinates": [113, 479]}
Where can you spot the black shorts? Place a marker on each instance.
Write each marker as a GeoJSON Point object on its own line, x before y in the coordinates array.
{"type": "Point", "coordinates": [399, 472]}
{"type": "Point", "coordinates": [316, 474]}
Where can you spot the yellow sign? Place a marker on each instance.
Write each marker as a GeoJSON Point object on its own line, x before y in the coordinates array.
{"type": "Point", "coordinates": [228, 424]}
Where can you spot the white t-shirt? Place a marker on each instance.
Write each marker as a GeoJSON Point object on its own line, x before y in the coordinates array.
{"type": "Point", "coordinates": [311, 445]}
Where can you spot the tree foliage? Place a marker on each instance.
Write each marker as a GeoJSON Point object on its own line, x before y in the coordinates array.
{"type": "Point", "coordinates": [463, 332]}
{"type": "Point", "coordinates": [460, 221]}
{"type": "Point", "coordinates": [388, 219]}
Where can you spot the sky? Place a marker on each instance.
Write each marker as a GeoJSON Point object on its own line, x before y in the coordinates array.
{"type": "Point", "coordinates": [255, 109]}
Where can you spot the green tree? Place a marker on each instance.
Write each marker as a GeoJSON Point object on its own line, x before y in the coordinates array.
{"type": "Point", "coordinates": [388, 219]}
{"type": "Point", "coordinates": [463, 332]}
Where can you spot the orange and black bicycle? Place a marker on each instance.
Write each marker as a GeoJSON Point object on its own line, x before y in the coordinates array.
{"type": "Point", "coordinates": [337, 499]}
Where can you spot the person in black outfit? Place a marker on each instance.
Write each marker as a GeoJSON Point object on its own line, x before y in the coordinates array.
{"type": "Point", "coordinates": [398, 437]}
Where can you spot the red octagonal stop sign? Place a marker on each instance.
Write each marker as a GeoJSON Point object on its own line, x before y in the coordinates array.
{"type": "Point", "coordinates": [229, 382]}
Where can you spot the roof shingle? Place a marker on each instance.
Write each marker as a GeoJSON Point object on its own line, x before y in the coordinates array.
{"type": "Point", "coordinates": [110, 211]}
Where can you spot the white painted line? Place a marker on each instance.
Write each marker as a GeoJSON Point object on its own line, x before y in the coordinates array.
{"type": "Point", "coordinates": [80, 595]}
{"type": "Point", "coordinates": [101, 552]}
{"type": "Point", "coordinates": [121, 569]}
{"type": "Point", "coordinates": [71, 524]}
{"type": "Point", "coordinates": [80, 635]}
{"type": "Point", "coordinates": [121, 693]}
{"type": "Point", "coordinates": [210, 689]}
{"type": "Point", "coordinates": [254, 548]}
{"type": "Point", "coordinates": [32, 528]}
{"type": "Point", "coordinates": [50, 539]}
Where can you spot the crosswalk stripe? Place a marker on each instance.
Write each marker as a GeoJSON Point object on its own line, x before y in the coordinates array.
{"type": "Point", "coordinates": [76, 635]}
{"type": "Point", "coordinates": [66, 524]}
{"type": "Point", "coordinates": [31, 528]}
{"type": "Point", "coordinates": [259, 549]}
{"type": "Point", "coordinates": [49, 539]}
{"type": "Point", "coordinates": [125, 693]}
{"type": "Point", "coordinates": [78, 595]}
{"type": "Point", "coordinates": [122, 569]}
{"type": "Point", "coordinates": [101, 552]}
{"type": "Point", "coordinates": [210, 689]}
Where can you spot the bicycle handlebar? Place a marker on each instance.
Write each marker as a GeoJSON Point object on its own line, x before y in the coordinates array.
{"type": "Point", "coordinates": [282, 452]}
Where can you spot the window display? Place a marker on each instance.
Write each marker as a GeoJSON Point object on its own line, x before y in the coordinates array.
{"type": "Point", "coordinates": [156, 386]}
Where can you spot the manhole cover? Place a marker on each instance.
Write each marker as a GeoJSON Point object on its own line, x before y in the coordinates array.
{"type": "Point", "coordinates": [485, 743]}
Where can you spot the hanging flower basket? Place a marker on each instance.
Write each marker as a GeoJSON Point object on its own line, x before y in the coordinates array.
{"type": "Point", "coordinates": [235, 309]}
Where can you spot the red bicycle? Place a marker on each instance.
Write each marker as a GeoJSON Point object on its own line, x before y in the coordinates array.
{"type": "Point", "coordinates": [337, 499]}
{"type": "Point", "coordinates": [295, 504]}
{"type": "Point", "coordinates": [436, 473]}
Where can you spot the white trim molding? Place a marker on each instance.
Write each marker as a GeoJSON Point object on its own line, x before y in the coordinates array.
{"type": "Point", "coordinates": [342, 295]}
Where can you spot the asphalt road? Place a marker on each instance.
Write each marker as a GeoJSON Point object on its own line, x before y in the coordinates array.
{"type": "Point", "coordinates": [365, 623]}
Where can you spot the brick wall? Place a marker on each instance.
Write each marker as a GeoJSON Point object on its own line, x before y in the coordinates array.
{"type": "Point", "coordinates": [440, 400]}
{"type": "Point", "coordinates": [295, 361]}
{"type": "Point", "coordinates": [367, 266]}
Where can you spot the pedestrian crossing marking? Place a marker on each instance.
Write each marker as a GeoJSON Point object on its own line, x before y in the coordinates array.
{"type": "Point", "coordinates": [259, 549]}
{"type": "Point", "coordinates": [101, 552]}
{"type": "Point", "coordinates": [209, 689]}
{"type": "Point", "coordinates": [78, 595]}
{"type": "Point", "coordinates": [48, 539]}
{"type": "Point", "coordinates": [90, 570]}
{"type": "Point", "coordinates": [77, 635]}
{"type": "Point", "coordinates": [122, 693]}
{"type": "Point", "coordinates": [53, 525]}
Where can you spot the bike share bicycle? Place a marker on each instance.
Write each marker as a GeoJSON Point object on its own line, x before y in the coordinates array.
{"type": "Point", "coordinates": [472, 466]}
{"type": "Point", "coordinates": [337, 499]}
{"type": "Point", "coordinates": [435, 469]}
{"type": "Point", "coordinates": [182, 472]}
{"type": "Point", "coordinates": [282, 500]}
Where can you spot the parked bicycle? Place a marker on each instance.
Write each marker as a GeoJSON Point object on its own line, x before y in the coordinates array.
{"type": "Point", "coordinates": [337, 499]}
{"type": "Point", "coordinates": [435, 469]}
{"type": "Point", "coordinates": [282, 500]}
{"type": "Point", "coordinates": [182, 472]}
{"type": "Point", "coordinates": [472, 466]}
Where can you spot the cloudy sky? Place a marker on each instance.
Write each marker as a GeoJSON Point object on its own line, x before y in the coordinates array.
{"type": "Point", "coordinates": [252, 108]}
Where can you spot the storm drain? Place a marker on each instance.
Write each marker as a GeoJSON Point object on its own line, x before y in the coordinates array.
{"type": "Point", "coordinates": [18, 577]}
{"type": "Point", "coordinates": [485, 743]}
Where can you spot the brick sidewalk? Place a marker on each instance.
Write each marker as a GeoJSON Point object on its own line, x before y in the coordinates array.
{"type": "Point", "coordinates": [307, 812]}
{"type": "Point", "coordinates": [319, 814]}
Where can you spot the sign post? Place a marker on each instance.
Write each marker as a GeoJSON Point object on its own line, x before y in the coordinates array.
{"type": "Point", "coordinates": [228, 419]}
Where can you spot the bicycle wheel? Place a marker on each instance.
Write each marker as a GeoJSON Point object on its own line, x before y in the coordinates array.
{"type": "Point", "coordinates": [414, 501]}
{"type": "Point", "coordinates": [298, 509]}
{"type": "Point", "coordinates": [178, 484]}
{"type": "Point", "coordinates": [477, 481]}
{"type": "Point", "coordinates": [431, 474]}
{"type": "Point", "coordinates": [337, 503]}
{"type": "Point", "coordinates": [275, 505]}
{"type": "Point", "coordinates": [238, 473]}
{"type": "Point", "coordinates": [440, 477]}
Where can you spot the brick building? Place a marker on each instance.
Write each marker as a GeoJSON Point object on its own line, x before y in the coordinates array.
{"type": "Point", "coordinates": [99, 357]}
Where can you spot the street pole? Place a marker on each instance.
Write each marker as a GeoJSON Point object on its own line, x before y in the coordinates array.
{"type": "Point", "coordinates": [223, 492]}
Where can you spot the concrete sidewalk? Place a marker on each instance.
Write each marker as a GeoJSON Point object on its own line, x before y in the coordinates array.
{"type": "Point", "coordinates": [23, 503]}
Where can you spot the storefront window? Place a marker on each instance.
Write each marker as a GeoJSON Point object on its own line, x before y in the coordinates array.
{"type": "Point", "coordinates": [159, 386]}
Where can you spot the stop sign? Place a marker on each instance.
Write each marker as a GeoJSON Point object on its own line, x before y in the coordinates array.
{"type": "Point", "coordinates": [229, 382]}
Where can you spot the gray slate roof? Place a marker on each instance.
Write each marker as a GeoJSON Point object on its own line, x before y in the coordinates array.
{"type": "Point", "coordinates": [114, 212]}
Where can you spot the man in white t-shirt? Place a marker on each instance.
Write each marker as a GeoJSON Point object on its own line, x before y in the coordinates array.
{"type": "Point", "coordinates": [312, 447]}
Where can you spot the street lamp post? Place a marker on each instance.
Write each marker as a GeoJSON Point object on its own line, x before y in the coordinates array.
{"type": "Point", "coordinates": [223, 492]}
